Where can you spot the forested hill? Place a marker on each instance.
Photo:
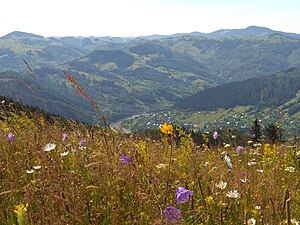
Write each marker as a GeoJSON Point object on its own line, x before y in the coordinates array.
{"type": "Point", "coordinates": [270, 91]}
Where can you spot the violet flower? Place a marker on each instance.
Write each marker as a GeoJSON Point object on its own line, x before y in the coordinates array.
{"type": "Point", "coordinates": [124, 159]}
{"type": "Point", "coordinates": [65, 137]}
{"type": "Point", "coordinates": [239, 149]}
{"type": "Point", "coordinates": [172, 214]}
{"type": "Point", "coordinates": [11, 137]}
{"type": "Point", "coordinates": [82, 142]}
{"type": "Point", "coordinates": [183, 195]}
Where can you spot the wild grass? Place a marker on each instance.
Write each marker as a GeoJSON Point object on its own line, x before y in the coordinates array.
{"type": "Point", "coordinates": [87, 184]}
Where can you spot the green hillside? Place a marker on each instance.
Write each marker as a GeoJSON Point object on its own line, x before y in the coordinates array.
{"type": "Point", "coordinates": [260, 92]}
{"type": "Point", "coordinates": [132, 76]}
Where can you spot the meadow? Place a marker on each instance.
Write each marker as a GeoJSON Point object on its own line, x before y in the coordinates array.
{"type": "Point", "coordinates": [58, 171]}
{"type": "Point", "coordinates": [64, 172]}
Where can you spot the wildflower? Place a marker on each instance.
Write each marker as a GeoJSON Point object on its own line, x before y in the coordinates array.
{"type": "Point", "coordinates": [222, 185]}
{"type": "Point", "coordinates": [244, 177]}
{"type": "Point", "coordinates": [227, 159]}
{"type": "Point", "coordinates": [29, 171]}
{"type": "Point", "coordinates": [167, 129]}
{"type": "Point", "coordinates": [82, 142]}
{"type": "Point", "coordinates": [4, 214]}
{"type": "Point", "coordinates": [290, 169]}
{"type": "Point", "coordinates": [49, 147]}
{"type": "Point", "coordinates": [252, 163]}
{"type": "Point", "coordinates": [11, 137]}
{"type": "Point", "coordinates": [233, 194]}
{"type": "Point", "coordinates": [215, 135]}
{"type": "Point", "coordinates": [161, 165]}
{"type": "Point", "coordinates": [64, 153]}
{"type": "Point", "coordinates": [124, 159]}
{"type": "Point", "coordinates": [183, 195]}
{"type": "Point", "coordinates": [257, 145]}
{"type": "Point", "coordinates": [20, 211]}
{"type": "Point", "coordinates": [172, 214]}
{"type": "Point", "coordinates": [251, 221]}
{"type": "Point", "coordinates": [65, 137]}
{"type": "Point", "coordinates": [261, 171]}
{"type": "Point", "coordinates": [294, 222]}
{"type": "Point", "coordinates": [249, 142]}
{"type": "Point", "coordinates": [209, 200]}
{"type": "Point", "coordinates": [244, 180]}
{"type": "Point", "coordinates": [240, 149]}
{"type": "Point", "coordinates": [226, 145]}
{"type": "Point", "coordinates": [36, 167]}
{"type": "Point", "coordinates": [73, 150]}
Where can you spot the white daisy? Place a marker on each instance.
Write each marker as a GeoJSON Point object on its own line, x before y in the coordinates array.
{"type": "Point", "coordinates": [222, 185]}
{"type": "Point", "coordinates": [49, 147]}
{"type": "Point", "coordinates": [29, 171]}
{"type": "Point", "coordinates": [161, 165]}
{"type": "Point", "coordinates": [36, 167]}
{"type": "Point", "coordinates": [290, 169]}
{"type": "Point", "coordinates": [64, 153]}
{"type": "Point", "coordinates": [233, 194]}
{"type": "Point", "coordinates": [251, 221]}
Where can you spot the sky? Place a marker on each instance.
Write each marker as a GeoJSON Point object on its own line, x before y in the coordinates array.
{"type": "Point", "coordinates": [132, 18]}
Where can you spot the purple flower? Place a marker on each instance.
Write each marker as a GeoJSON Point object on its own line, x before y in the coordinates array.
{"type": "Point", "coordinates": [215, 135]}
{"type": "Point", "coordinates": [73, 150]}
{"type": "Point", "coordinates": [183, 195]}
{"type": "Point", "coordinates": [4, 214]}
{"type": "Point", "coordinates": [239, 149]}
{"type": "Point", "coordinates": [82, 142]}
{"type": "Point", "coordinates": [124, 159]}
{"type": "Point", "coordinates": [11, 137]}
{"type": "Point", "coordinates": [172, 214]}
{"type": "Point", "coordinates": [64, 138]}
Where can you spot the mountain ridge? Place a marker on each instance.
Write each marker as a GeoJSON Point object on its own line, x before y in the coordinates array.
{"type": "Point", "coordinates": [221, 33]}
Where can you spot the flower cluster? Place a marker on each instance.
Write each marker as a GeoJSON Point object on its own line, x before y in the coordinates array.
{"type": "Point", "coordinates": [183, 195]}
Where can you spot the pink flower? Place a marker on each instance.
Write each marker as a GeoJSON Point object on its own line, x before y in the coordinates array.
{"type": "Point", "coordinates": [215, 135]}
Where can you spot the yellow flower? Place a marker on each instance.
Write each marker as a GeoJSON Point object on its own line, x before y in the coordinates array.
{"type": "Point", "coordinates": [167, 129]}
{"type": "Point", "coordinates": [209, 200]}
{"type": "Point", "coordinates": [20, 209]}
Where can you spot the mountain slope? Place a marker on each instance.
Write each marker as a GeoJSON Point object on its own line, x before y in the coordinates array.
{"type": "Point", "coordinates": [252, 31]}
{"type": "Point", "coordinates": [234, 59]}
{"type": "Point", "coordinates": [270, 91]}
{"type": "Point", "coordinates": [35, 49]}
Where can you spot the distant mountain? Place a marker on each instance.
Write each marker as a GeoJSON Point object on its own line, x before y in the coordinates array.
{"type": "Point", "coordinates": [270, 91]}
{"type": "Point", "coordinates": [46, 52]}
{"type": "Point", "coordinates": [141, 78]}
{"type": "Point", "coordinates": [240, 58]}
{"type": "Point", "coordinates": [20, 34]}
{"type": "Point", "coordinates": [131, 76]}
{"type": "Point", "coordinates": [37, 50]}
{"type": "Point", "coordinates": [252, 31]}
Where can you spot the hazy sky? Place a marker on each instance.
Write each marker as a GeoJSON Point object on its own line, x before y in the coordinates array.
{"type": "Point", "coordinates": [144, 17]}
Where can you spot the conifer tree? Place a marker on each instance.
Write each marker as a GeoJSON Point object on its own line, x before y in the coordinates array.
{"type": "Point", "coordinates": [272, 133]}
{"type": "Point", "coordinates": [256, 131]}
